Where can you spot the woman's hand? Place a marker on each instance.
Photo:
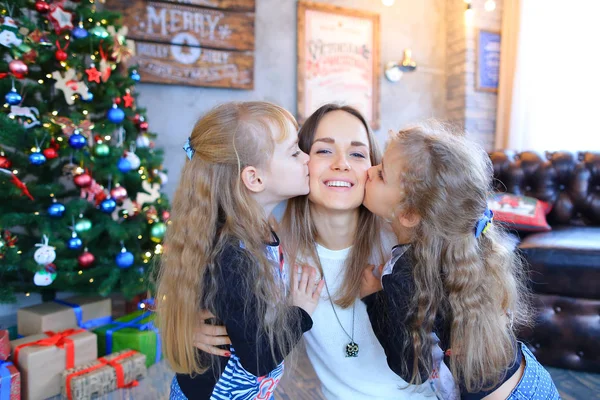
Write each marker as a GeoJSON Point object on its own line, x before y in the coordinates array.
{"type": "Point", "coordinates": [306, 290]}
{"type": "Point", "coordinates": [207, 337]}
{"type": "Point", "coordinates": [370, 282]}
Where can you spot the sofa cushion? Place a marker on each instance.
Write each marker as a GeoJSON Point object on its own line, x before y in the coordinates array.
{"type": "Point", "coordinates": [565, 261]}
{"type": "Point", "coordinates": [522, 213]}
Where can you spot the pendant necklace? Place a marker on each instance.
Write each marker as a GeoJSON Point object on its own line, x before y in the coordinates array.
{"type": "Point", "coordinates": [352, 347]}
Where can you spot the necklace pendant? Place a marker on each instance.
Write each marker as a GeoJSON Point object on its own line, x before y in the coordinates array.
{"type": "Point", "coordinates": [352, 350]}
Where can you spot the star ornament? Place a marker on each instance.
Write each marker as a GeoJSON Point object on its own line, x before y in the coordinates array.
{"type": "Point", "coordinates": [93, 74]}
{"type": "Point", "coordinates": [61, 19]}
{"type": "Point", "coordinates": [128, 100]}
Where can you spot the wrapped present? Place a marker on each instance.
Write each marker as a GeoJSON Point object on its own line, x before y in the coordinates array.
{"type": "Point", "coordinates": [9, 323]}
{"type": "Point", "coordinates": [10, 381]}
{"type": "Point", "coordinates": [134, 331]}
{"type": "Point", "coordinates": [115, 371]}
{"type": "Point", "coordinates": [86, 312]}
{"type": "Point", "coordinates": [4, 345]}
{"type": "Point", "coordinates": [43, 358]}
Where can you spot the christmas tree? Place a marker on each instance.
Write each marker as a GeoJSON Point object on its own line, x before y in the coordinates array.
{"type": "Point", "coordinates": [80, 207]}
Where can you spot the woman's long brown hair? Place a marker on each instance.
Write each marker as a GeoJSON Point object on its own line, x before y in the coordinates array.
{"type": "Point", "coordinates": [210, 207]}
{"type": "Point", "coordinates": [299, 232]}
{"type": "Point", "coordinates": [478, 284]}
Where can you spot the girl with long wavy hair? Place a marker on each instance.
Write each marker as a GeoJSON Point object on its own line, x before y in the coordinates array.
{"type": "Point", "coordinates": [454, 272]}
{"type": "Point", "coordinates": [222, 255]}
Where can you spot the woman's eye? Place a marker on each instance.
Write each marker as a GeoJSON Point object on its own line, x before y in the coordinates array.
{"type": "Point", "coordinates": [360, 155]}
{"type": "Point", "coordinates": [323, 151]}
{"type": "Point", "coordinates": [296, 153]}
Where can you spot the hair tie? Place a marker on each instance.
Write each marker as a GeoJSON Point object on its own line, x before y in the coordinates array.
{"type": "Point", "coordinates": [189, 150]}
{"type": "Point", "coordinates": [484, 222]}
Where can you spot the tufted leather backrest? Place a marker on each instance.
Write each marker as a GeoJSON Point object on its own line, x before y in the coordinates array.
{"type": "Point", "coordinates": [570, 182]}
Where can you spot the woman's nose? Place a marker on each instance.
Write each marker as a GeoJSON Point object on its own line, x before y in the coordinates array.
{"type": "Point", "coordinates": [341, 164]}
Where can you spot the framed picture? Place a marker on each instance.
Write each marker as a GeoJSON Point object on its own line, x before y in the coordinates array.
{"type": "Point", "coordinates": [338, 59]}
{"type": "Point", "coordinates": [488, 61]}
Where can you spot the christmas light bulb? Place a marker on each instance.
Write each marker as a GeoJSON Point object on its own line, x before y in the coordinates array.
{"type": "Point", "coordinates": [490, 5]}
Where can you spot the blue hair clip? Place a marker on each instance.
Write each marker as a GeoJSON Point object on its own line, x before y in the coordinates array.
{"type": "Point", "coordinates": [484, 222]}
{"type": "Point", "coordinates": [189, 150]}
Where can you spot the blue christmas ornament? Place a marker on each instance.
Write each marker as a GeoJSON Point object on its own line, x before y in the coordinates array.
{"type": "Point", "coordinates": [124, 259]}
{"type": "Point", "coordinates": [79, 32]}
{"type": "Point", "coordinates": [124, 165]}
{"type": "Point", "coordinates": [13, 98]}
{"type": "Point", "coordinates": [37, 158]}
{"type": "Point", "coordinates": [108, 206]}
{"type": "Point", "coordinates": [115, 115]}
{"type": "Point", "coordinates": [74, 243]}
{"type": "Point", "coordinates": [77, 140]}
{"type": "Point", "coordinates": [135, 75]}
{"type": "Point", "coordinates": [56, 210]}
{"type": "Point", "coordinates": [89, 98]}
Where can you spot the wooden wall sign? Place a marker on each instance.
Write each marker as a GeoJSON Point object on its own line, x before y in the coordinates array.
{"type": "Point", "coordinates": [338, 59]}
{"type": "Point", "coordinates": [191, 42]}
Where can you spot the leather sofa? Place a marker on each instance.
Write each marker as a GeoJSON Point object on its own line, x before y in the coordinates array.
{"type": "Point", "coordinates": [565, 262]}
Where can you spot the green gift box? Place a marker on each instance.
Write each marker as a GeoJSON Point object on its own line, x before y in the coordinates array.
{"type": "Point", "coordinates": [135, 331]}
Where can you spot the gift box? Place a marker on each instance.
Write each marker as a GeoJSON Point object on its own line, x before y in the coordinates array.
{"type": "Point", "coordinates": [42, 358]}
{"type": "Point", "coordinates": [86, 312]}
{"type": "Point", "coordinates": [135, 331]}
{"type": "Point", "coordinates": [115, 371]}
{"type": "Point", "coordinates": [10, 381]}
{"type": "Point", "coordinates": [4, 345]}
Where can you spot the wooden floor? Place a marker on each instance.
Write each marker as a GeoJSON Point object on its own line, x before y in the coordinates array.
{"type": "Point", "coordinates": [302, 384]}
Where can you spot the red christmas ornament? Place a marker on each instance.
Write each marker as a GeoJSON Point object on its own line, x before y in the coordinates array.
{"type": "Point", "coordinates": [54, 144]}
{"type": "Point", "coordinates": [166, 215]}
{"type": "Point", "coordinates": [29, 57]}
{"type": "Point", "coordinates": [50, 153]}
{"type": "Point", "coordinates": [61, 55]}
{"type": "Point", "coordinates": [42, 7]}
{"type": "Point", "coordinates": [93, 74]}
{"type": "Point", "coordinates": [60, 18]}
{"type": "Point", "coordinates": [128, 99]}
{"type": "Point", "coordinates": [86, 259]}
{"type": "Point", "coordinates": [119, 193]}
{"type": "Point", "coordinates": [5, 162]}
{"type": "Point", "coordinates": [117, 100]}
{"type": "Point", "coordinates": [137, 119]}
{"type": "Point", "coordinates": [18, 68]}
{"type": "Point", "coordinates": [143, 126]}
{"type": "Point", "coordinates": [83, 180]}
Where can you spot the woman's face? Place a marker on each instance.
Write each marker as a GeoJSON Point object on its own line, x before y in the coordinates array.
{"type": "Point", "coordinates": [339, 160]}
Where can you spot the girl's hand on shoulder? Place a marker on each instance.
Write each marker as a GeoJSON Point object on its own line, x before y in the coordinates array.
{"type": "Point", "coordinates": [306, 290]}
{"type": "Point", "coordinates": [370, 282]}
{"type": "Point", "coordinates": [207, 337]}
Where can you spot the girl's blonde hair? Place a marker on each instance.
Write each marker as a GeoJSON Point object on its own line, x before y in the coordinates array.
{"type": "Point", "coordinates": [299, 232]}
{"type": "Point", "coordinates": [475, 283]}
{"type": "Point", "coordinates": [210, 207]}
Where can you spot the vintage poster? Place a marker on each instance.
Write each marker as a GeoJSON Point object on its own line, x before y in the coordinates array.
{"type": "Point", "coordinates": [338, 59]}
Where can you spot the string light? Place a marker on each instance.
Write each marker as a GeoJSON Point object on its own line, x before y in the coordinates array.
{"type": "Point", "coordinates": [91, 280]}
{"type": "Point", "coordinates": [41, 81]}
{"type": "Point", "coordinates": [27, 294]}
{"type": "Point", "coordinates": [490, 5]}
{"type": "Point", "coordinates": [80, 272]}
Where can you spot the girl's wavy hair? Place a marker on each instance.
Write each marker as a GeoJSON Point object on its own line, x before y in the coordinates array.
{"type": "Point", "coordinates": [299, 232]}
{"type": "Point", "coordinates": [211, 207]}
{"type": "Point", "coordinates": [477, 284]}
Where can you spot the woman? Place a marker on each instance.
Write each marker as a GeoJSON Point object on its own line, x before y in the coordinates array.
{"type": "Point", "coordinates": [329, 228]}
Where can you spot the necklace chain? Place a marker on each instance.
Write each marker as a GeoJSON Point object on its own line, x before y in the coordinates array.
{"type": "Point", "coordinates": [351, 337]}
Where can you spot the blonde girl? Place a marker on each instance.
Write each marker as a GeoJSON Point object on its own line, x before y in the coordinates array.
{"type": "Point", "coordinates": [454, 272]}
{"type": "Point", "coordinates": [222, 255]}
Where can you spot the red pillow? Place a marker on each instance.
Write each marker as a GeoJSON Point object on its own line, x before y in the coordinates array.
{"type": "Point", "coordinates": [520, 212]}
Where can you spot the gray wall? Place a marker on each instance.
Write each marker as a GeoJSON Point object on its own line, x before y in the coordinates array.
{"type": "Point", "coordinates": [419, 25]}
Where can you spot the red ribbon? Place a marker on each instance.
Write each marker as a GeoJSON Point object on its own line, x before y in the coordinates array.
{"type": "Point", "coordinates": [103, 362]}
{"type": "Point", "coordinates": [60, 340]}
{"type": "Point", "coordinates": [21, 186]}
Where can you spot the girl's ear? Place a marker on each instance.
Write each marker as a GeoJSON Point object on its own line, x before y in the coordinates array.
{"type": "Point", "coordinates": [409, 220]}
{"type": "Point", "coordinates": [252, 179]}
